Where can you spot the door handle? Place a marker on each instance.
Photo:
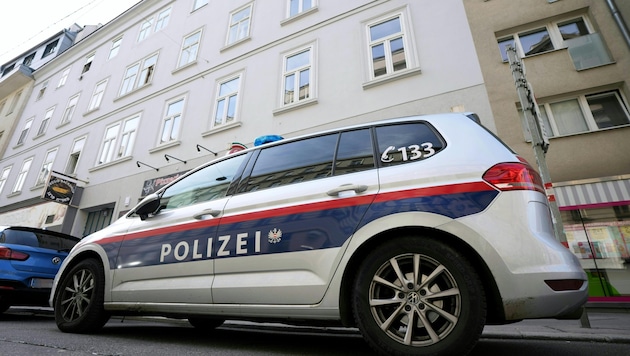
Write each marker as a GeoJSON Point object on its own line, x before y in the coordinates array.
{"type": "Point", "coordinates": [358, 188]}
{"type": "Point", "coordinates": [200, 215]}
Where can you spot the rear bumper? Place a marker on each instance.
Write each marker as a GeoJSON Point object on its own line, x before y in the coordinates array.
{"type": "Point", "coordinates": [17, 293]}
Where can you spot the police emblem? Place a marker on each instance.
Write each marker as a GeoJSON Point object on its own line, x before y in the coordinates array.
{"type": "Point", "coordinates": [274, 236]}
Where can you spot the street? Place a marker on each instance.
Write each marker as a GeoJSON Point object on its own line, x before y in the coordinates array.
{"type": "Point", "coordinates": [28, 331]}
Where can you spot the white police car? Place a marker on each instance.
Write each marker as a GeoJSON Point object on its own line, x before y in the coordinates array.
{"type": "Point", "coordinates": [417, 230]}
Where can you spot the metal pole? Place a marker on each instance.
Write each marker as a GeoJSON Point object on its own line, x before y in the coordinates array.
{"type": "Point", "coordinates": [540, 144]}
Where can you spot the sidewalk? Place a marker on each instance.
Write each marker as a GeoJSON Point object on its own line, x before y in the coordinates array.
{"type": "Point", "coordinates": [606, 325]}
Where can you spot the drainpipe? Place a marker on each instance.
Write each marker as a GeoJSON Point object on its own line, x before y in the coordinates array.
{"type": "Point", "coordinates": [619, 20]}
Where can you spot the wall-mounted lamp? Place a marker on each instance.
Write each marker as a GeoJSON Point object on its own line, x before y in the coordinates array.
{"type": "Point", "coordinates": [138, 163]}
{"type": "Point", "coordinates": [199, 150]}
{"type": "Point", "coordinates": [167, 156]}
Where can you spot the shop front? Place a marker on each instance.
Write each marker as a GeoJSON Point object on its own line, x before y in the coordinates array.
{"type": "Point", "coordinates": [596, 219]}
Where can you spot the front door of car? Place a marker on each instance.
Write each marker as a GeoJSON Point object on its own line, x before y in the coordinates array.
{"type": "Point", "coordinates": [284, 232]}
{"type": "Point", "coordinates": [166, 257]}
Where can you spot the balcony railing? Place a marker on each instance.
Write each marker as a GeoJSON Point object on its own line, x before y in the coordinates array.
{"type": "Point", "coordinates": [588, 51]}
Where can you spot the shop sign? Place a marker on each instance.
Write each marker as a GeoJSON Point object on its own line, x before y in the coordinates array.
{"type": "Point", "coordinates": [59, 189]}
{"type": "Point", "coordinates": [152, 185]}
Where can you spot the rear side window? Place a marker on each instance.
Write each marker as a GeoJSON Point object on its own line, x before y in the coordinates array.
{"type": "Point", "coordinates": [355, 152]}
{"type": "Point", "coordinates": [407, 142]}
{"type": "Point", "coordinates": [294, 162]}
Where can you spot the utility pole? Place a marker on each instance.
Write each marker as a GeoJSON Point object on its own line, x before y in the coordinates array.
{"type": "Point", "coordinates": [540, 143]}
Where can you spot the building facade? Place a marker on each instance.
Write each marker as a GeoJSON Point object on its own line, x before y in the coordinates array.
{"type": "Point", "coordinates": [577, 60]}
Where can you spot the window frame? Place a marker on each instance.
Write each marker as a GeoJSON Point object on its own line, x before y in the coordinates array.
{"type": "Point", "coordinates": [162, 21]}
{"type": "Point", "coordinates": [42, 90]}
{"type": "Point", "coordinates": [14, 102]}
{"type": "Point", "coordinates": [186, 49]}
{"type": "Point", "coordinates": [111, 148]}
{"type": "Point", "coordinates": [88, 62]}
{"type": "Point", "coordinates": [229, 41]}
{"type": "Point", "coordinates": [552, 28]}
{"type": "Point", "coordinates": [115, 48]}
{"type": "Point", "coordinates": [175, 120]}
{"type": "Point", "coordinates": [72, 162]}
{"type": "Point", "coordinates": [226, 99]}
{"type": "Point", "coordinates": [22, 175]}
{"type": "Point", "coordinates": [296, 73]}
{"type": "Point", "coordinates": [71, 107]}
{"type": "Point", "coordinates": [300, 8]}
{"type": "Point", "coordinates": [145, 28]}
{"type": "Point", "coordinates": [198, 4]}
{"type": "Point", "coordinates": [6, 171]}
{"type": "Point", "coordinates": [25, 131]}
{"type": "Point", "coordinates": [43, 126]}
{"type": "Point", "coordinates": [64, 77]}
{"type": "Point", "coordinates": [50, 48]}
{"type": "Point", "coordinates": [97, 95]}
{"type": "Point", "coordinates": [142, 77]}
{"type": "Point", "coordinates": [49, 160]}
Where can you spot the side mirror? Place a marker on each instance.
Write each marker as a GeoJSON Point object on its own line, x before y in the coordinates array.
{"type": "Point", "coordinates": [149, 206]}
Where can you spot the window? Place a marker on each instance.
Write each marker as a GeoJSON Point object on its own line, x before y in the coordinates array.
{"type": "Point", "coordinates": [28, 59]}
{"type": "Point", "coordinates": [310, 159]}
{"type": "Point", "coordinates": [227, 101]}
{"type": "Point", "coordinates": [64, 77]}
{"type": "Point", "coordinates": [2, 104]}
{"type": "Point", "coordinates": [42, 90]}
{"type": "Point", "coordinates": [387, 46]}
{"type": "Point", "coordinates": [172, 121]}
{"type": "Point", "coordinates": [75, 154]}
{"type": "Point", "coordinates": [97, 96]}
{"type": "Point", "coordinates": [199, 3]}
{"type": "Point", "coordinates": [119, 140]}
{"type": "Point", "coordinates": [46, 167]}
{"type": "Point", "coordinates": [145, 29]}
{"type": "Point", "coordinates": [297, 76]}
{"type": "Point", "coordinates": [50, 48]}
{"type": "Point", "coordinates": [44, 125]}
{"type": "Point", "coordinates": [584, 113]}
{"type": "Point", "coordinates": [162, 19]}
{"type": "Point", "coordinates": [300, 6]}
{"type": "Point", "coordinates": [574, 34]}
{"type": "Point", "coordinates": [134, 80]}
{"type": "Point", "coordinates": [406, 143]}
{"type": "Point", "coordinates": [4, 177]}
{"type": "Point", "coordinates": [355, 152]}
{"type": "Point", "coordinates": [14, 102]}
{"type": "Point", "coordinates": [209, 183]}
{"type": "Point", "coordinates": [21, 178]}
{"type": "Point", "coordinates": [25, 131]}
{"type": "Point", "coordinates": [240, 21]}
{"type": "Point", "coordinates": [190, 49]}
{"type": "Point", "coordinates": [67, 114]}
{"type": "Point", "coordinates": [113, 52]}
{"type": "Point", "coordinates": [88, 63]}
{"type": "Point", "coordinates": [8, 68]}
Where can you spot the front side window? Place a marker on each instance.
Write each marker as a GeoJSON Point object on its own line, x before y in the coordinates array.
{"type": "Point", "coordinates": [4, 176]}
{"type": "Point", "coordinates": [406, 143]}
{"type": "Point", "coordinates": [113, 52]}
{"type": "Point", "coordinates": [209, 183]}
{"type": "Point", "coordinates": [75, 154]}
{"type": "Point", "coordinates": [69, 111]}
{"type": "Point", "coordinates": [97, 96]}
{"type": "Point", "coordinates": [25, 130]}
{"type": "Point", "coordinates": [138, 74]}
{"type": "Point", "coordinates": [21, 178]}
{"type": "Point", "coordinates": [240, 22]}
{"type": "Point", "coordinates": [387, 47]}
{"type": "Point", "coordinates": [172, 121]}
{"type": "Point", "coordinates": [46, 122]}
{"type": "Point", "coordinates": [118, 140]}
{"type": "Point", "coordinates": [227, 101]}
{"type": "Point", "coordinates": [64, 77]}
{"type": "Point", "coordinates": [297, 76]}
{"type": "Point", "coordinates": [293, 162]}
{"type": "Point", "coordinates": [190, 49]}
{"type": "Point", "coordinates": [46, 167]}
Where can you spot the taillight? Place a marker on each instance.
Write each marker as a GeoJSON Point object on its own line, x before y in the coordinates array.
{"type": "Point", "coordinates": [514, 176]}
{"type": "Point", "coordinates": [8, 254]}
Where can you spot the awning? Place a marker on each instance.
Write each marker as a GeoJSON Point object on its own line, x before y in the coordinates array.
{"type": "Point", "coordinates": [593, 193]}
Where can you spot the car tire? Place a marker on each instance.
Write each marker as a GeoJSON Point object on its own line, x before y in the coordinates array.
{"type": "Point", "coordinates": [206, 324]}
{"type": "Point", "coordinates": [448, 297]}
{"type": "Point", "coordinates": [79, 299]}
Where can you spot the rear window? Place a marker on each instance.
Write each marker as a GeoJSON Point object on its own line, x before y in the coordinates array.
{"type": "Point", "coordinates": [36, 239]}
{"type": "Point", "coordinates": [407, 142]}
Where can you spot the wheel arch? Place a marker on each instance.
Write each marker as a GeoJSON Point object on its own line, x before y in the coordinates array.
{"type": "Point", "coordinates": [493, 297]}
{"type": "Point", "coordinates": [76, 259]}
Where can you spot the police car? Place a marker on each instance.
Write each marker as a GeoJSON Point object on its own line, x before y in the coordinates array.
{"type": "Point", "coordinates": [417, 230]}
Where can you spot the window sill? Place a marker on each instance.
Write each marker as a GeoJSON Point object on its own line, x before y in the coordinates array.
{"type": "Point", "coordinates": [187, 65]}
{"type": "Point", "coordinates": [296, 17]}
{"type": "Point", "coordinates": [221, 128]}
{"type": "Point", "coordinates": [235, 43]}
{"type": "Point", "coordinates": [132, 91]}
{"type": "Point", "coordinates": [62, 124]}
{"type": "Point", "coordinates": [37, 187]}
{"type": "Point", "coordinates": [90, 111]}
{"type": "Point", "coordinates": [109, 164]}
{"type": "Point", "coordinates": [165, 146]}
{"type": "Point", "coordinates": [392, 77]}
{"type": "Point", "coordinates": [295, 106]}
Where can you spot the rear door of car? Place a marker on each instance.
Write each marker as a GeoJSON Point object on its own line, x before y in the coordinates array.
{"type": "Point", "coordinates": [167, 257]}
{"type": "Point", "coordinates": [283, 233]}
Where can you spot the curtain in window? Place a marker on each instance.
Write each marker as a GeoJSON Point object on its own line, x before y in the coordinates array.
{"type": "Point", "coordinates": [568, 117]}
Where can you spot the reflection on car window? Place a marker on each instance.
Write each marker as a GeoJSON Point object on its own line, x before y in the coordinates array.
{"type": "Point", "coordinates": [294, 162]}
{"type": "Point", "coordinates": [355, 152]}
{"type": "Point", "coordinates": [404, 143]}
{"type": "Point", "coordinates": [206, 184]}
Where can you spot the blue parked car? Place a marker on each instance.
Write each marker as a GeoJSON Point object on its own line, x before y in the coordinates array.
{"type": "Point", "coordinates": [29, 260]}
